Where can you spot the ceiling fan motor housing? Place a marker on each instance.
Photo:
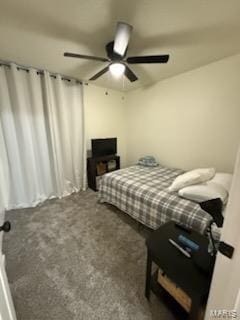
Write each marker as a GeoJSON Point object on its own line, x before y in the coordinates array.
{"type": "Point", "coordinates": [113, 55]}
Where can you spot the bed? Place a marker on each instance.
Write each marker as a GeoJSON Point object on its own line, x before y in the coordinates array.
{"type": "Point", "coordinates": [142, 192]}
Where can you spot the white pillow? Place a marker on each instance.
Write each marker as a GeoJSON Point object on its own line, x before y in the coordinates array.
{"type": "Point", "coordinates": [203, 192]}
{"type": "Point", "coordinates": [224, 179]}
{"type": "Point", "coordinates": [192, 177]}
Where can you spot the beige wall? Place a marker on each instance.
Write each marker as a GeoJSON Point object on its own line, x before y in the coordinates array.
{"type": "Point", "coordinates": [1, 222]}
{"type": "Point", "coordinates": [105, 116]}
{"type": "Point", "coordinates": [190, 120]}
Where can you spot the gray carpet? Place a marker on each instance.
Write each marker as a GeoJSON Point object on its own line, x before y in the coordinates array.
{"type": "Point", "coordinates": [77, 259]}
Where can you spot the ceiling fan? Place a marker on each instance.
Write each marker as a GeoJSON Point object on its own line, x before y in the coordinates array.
{"type": "Point", "coordinates": [116, 52]}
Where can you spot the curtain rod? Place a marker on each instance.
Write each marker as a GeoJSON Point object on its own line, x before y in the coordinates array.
{"type": "Point", "coordinates": [38, 71]}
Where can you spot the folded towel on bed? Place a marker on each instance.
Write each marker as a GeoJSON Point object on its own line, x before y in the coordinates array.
{"type": "Point", "coordinates": [148, 161]}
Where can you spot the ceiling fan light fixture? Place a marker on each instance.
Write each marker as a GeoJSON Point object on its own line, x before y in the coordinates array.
{"type": "Point", "coordinates": [117, 69]}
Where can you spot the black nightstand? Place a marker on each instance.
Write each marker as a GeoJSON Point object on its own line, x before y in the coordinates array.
{"type": "Point", "coordinates": [183, 272]}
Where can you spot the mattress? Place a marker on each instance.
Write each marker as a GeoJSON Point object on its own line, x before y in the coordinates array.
{"type": "Point", "coordinates": [142, 192]}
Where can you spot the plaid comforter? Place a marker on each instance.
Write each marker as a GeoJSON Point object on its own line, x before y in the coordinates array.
{"type": "Point", "coordinates": [142, 193]}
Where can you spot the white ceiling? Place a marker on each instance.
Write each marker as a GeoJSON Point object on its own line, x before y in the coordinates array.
{"type": "Point", "coordinates": [193, 32]}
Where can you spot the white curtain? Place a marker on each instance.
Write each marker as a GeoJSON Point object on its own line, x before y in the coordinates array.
{"type": "Point", "coordinates": [42, 148]}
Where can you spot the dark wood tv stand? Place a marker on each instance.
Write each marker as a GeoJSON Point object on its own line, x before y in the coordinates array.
{"type": "Point", "coordinates": [98, 166]}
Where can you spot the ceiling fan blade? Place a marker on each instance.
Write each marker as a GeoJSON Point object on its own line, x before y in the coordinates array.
{"type": "Point", "coordinates": [82, 56]}
{"type": "Point", "coordinates": [129, 74]}
{"type": "Point", "coordinates": [122, 37]}
{"type": "Point", "coordinates": [149, 59]}
{"type": "Point", "coordinates": [100, 73]}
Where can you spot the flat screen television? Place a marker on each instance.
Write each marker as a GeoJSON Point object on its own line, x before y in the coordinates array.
{"type": "Point", "coordinates": [104, 147]}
